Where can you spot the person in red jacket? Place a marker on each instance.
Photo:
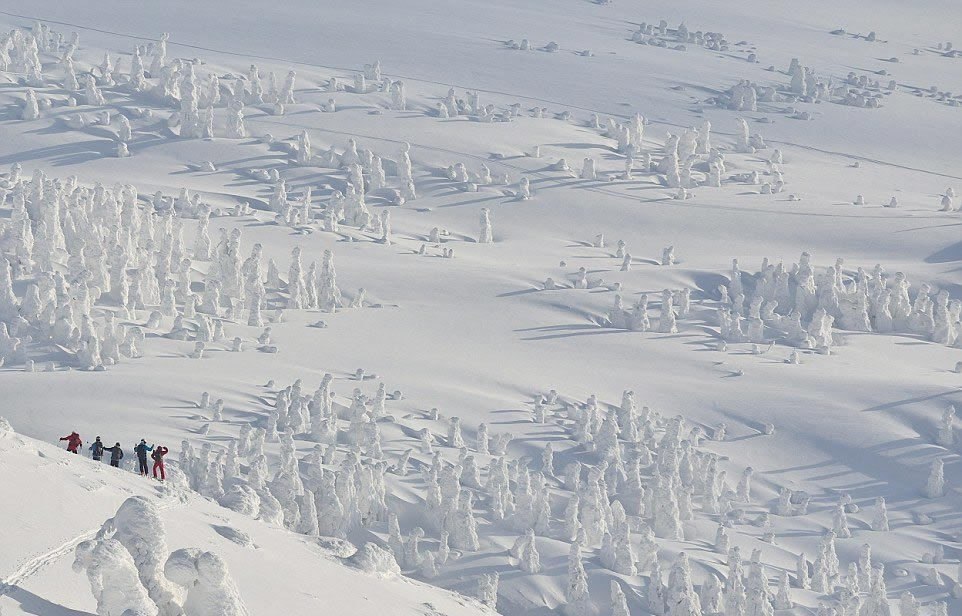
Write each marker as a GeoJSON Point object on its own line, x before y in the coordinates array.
{"type": "Point", "coordinates": [73, 442]}
{"type": "Point", "coordinates": [158, 457]}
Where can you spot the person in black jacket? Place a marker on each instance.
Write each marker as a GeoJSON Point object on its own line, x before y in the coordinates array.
{"type": "Point", "coordinates": [116, 455]}
{"type": "Point", "coordinates": [97, 450]}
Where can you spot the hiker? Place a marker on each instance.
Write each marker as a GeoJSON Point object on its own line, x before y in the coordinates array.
{"type": "Point", "coordinates": [141, 450]}
{"type": "Point", "coordinates": [158, 458]}
{"type": "Point", "coordinates": [73, 442]}
{"type": "Point", "coordinates": [116, 455]}
{"type": "Point", "coordinates": [97, 450]}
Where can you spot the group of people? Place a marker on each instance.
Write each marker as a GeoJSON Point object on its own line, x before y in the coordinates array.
{"type": "Point", "coordinates": [98, 450]}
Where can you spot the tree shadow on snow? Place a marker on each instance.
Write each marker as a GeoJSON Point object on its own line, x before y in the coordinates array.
{"type": "Point", "coordinates": [949, 254]}
{"type": "Point", "coordinates": [583, 146]}
{"type": "Point", "coordinates": [471, 201]}
{"type": "Point", "coordinates": [898, 403]}
{"type": "Point", "coordinates": [519, 292]}
{"type": "Point", "coordinates": [33, 604]}
{"type": "Point", "coordinates": [593, 330]}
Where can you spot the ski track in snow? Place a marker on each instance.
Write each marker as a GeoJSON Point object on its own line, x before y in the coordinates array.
{"type": "Point", "coordinates": [34, 565]}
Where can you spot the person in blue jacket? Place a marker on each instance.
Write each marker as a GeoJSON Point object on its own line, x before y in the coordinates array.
{"type": "Point", "coordinates": [141, 450]}
{"type": "Point", "coordinates": [97, 450]}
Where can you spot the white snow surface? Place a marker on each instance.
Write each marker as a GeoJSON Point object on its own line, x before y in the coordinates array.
{"type": "Point", "coordinates": [477, 336]}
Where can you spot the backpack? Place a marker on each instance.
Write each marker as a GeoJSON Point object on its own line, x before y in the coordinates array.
{"type": "Point", "coordinates": [155, 456]}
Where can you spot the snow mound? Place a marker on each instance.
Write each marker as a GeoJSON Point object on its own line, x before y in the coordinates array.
{"type": "Point", "coordinates": [375, 560]}
{"type": "Point", "coordinates": [232, 534]}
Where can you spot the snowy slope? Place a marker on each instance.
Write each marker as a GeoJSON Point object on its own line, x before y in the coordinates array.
{"type": "Point", "coordinates": [305, 575]}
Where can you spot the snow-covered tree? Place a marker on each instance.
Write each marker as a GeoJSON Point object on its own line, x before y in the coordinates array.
{"type": "Point", "coordinates": [744, 488]}
{"type": "Point", "coordinates": [524, 189]}
{"type": "Point", "coordinates": [588, 170]}
{"type": "Point", "coordinates": [880, 519]}
{"type": "Point", "coordinates": [210, 589]}
{"type": "Point", "coordinates": [668, 255]}
{"type": "Point", "coordinates": [488, 589]}
{"type": "Point", "coordinates": [783, 596]}
{"type": "Point", "coordinates": [528, 557]}
{"type": "Point", "coordinates": [485, 236]}
{"type": "Point", "coordinates": [286, 95]}
{"type": "Point", "coordinates": [398, 98]}
{"type": "Point", "coordinates": [710, 596]}
{"type": "Point", "coordinates": [801, 572]}
{"type": "Point", "coordinates": [139, 528]}
{"type": "Point", "coordinates": [235, 121]}
{"type": "Point", "coordinates": [908, 604]}
{"type": "Point", "coordinates": [619, 603]}
{"type": "Point", "coordinates": [297, 298]}
{"type": "Point", "coordinates": [328, 294]}
{"type": "Point", "coordinates": [946, 435]}
{"type": "Point", "coordinates": [92, 94]}
{"type": "Point", "coordinates": [877, 603]}
{"type": "Point", "coordinates": [464, 529]}
{"type": "Point", "coordinates": [840, 522]}
{"type": "Point", "coordinates": [935, 485]}
{"type": "Point", "coordinates": [656, 590]}
{"type": "Point", "coordinates": [576, 590]}
{"type": "Point", "coordinates": [667, 323]}
{"type": "Point", "coordinates": [113, 578]}
{"type": "Point", "coordinates": [667, 517]}
{"type": "Point", "coordinates": [31, 108]}
{"type": "Point", "coordinates": [682, 599]}
{"type": "Point", "coordinates": [454, 433]}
